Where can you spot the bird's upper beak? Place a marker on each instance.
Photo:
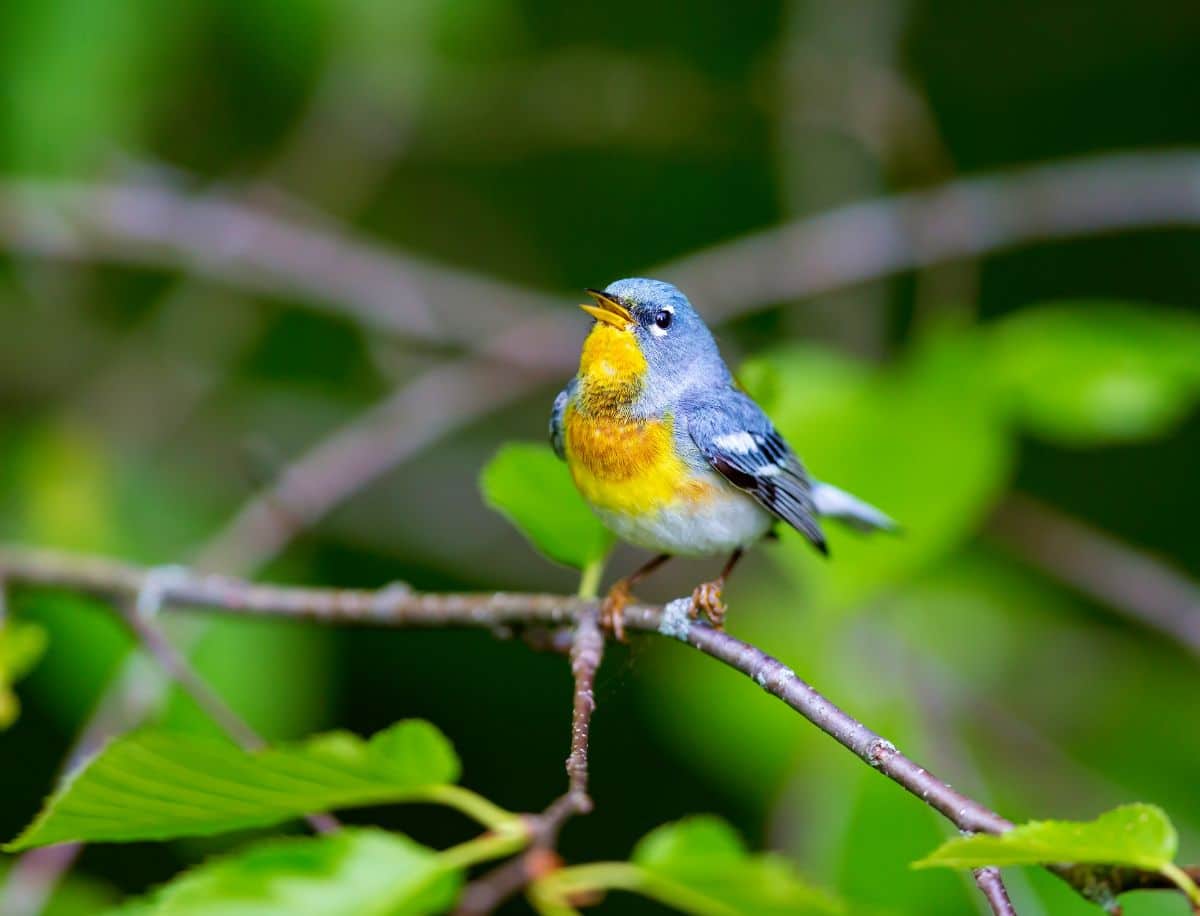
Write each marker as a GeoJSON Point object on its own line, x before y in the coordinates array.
{"type": "Point", "coordinates": [608, 310]}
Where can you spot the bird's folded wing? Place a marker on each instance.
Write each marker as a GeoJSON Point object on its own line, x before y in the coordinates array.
{"type": "Point", "coordinates": [742, 445]}
{"type": "Point", "coordinates": [557, 433]}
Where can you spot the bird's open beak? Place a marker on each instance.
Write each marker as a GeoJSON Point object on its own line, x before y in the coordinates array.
{"type": "Point", "coordinates": [608, 310]}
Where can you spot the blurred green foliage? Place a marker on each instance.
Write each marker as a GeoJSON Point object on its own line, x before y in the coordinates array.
{"type": "Point", "coordinates": [562, 146]}
{"type": "Point", "coordinates": [21, 646]}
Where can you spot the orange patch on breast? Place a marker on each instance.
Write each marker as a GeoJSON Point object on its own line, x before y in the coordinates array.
{"type": "Point", "coordinates": [628, 465]}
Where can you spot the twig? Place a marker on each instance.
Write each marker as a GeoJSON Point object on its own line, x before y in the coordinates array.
{"type": "Point", "coordinates": [486, 894]}
{"type": "Point", "coordinates": [401, 607]}
{"type": "Point", "coordinates": [1117, 575]}
{"type": "Point", "coordinates": [139, 615]}
{"type": "Point", "coordinates": [587, 652]}
{"type": "Point", "coordinates": [782, 682]}
{"type": "Point", "coordinates": [994, 891]}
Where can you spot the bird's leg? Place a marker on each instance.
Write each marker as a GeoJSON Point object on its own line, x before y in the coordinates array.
{"type": "Point", "coordinates": [708, 598]}
{"type": "Point", "coordinates": [612, 612]}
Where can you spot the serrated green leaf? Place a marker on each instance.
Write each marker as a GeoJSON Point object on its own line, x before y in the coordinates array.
{"type": "Point", "coordinates": [155, 785]}
{"type": "Point", "coordinates": [705, 855]}
{"type": "Point", "coordinates": [529, 486]}
{"type": "Point", "coordinates": [1140, 836]}
{"type": "Point", "coordinates": [353, 871]}
{"type": "Point", "coordinates": [1097, 372]}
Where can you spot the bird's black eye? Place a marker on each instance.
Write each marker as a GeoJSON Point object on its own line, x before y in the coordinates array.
{"type": "Point", "coordinates": [663, 319]}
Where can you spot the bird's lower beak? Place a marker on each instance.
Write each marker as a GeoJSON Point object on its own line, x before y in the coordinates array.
{"type": "Point", "coordinates": [608, 310]}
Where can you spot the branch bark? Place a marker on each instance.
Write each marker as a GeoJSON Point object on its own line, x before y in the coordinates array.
{"type": "Point", "coordinates": [994, 892]}
{"type": "Point", "coordinates": [399, 606]}
{"type": "Point", "coordinates": [484, 895]}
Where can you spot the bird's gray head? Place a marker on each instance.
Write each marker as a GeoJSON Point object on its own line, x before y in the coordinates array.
{"type": "Point", "coordinates": [678, 347]}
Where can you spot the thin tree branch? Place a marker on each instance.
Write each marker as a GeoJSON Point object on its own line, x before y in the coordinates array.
{"type": "Point", "coordinates": [486, 894]}
{"type": "Point", "coordinates": [1131, 581]}
{"type": "Point", "coordinates": [236, 243]}
{"type": "Point", "coordinates": [994, 891]}
{"type": "Point", "coordinates": [139, 615]}
{"type": "Point", "coordinates": [246, 246]}
{"type": "Point", "coordinates": [397, 606]}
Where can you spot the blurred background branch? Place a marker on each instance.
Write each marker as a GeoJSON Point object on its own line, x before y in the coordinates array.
{"type": "Point", "coordinates": [1108, 571]}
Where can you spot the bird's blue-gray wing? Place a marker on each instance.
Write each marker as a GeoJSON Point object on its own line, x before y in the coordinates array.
{"type": "Point", "coordinates": [741, 444]}
{"type": "Point", "coordinates": [557, 433]}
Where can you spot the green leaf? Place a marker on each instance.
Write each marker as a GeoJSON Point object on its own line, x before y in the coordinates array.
{"type": "Point", "coordinates": [707, 857]}
{"type": "Point", "coordinates": [21, 646]}
{"type": "Point", "coordinates": [1140, 836]}
{"type": "Point", "coordinates": [351, 871]}
{"type": "Point", "coordinates": [1089, 373]}
{"type": "Point", "coordinates": [155, 785]}
{"type": "Point", "coordinates": [529, 486]}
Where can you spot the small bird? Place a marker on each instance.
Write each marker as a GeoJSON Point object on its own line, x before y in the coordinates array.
{"type": "Point", "coordinates": [669, 452]}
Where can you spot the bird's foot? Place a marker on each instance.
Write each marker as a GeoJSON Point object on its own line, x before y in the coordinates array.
{"type": "Point", "coordinates": [612, 611]}
{"type": "Point", "coordinates": [708, 600]}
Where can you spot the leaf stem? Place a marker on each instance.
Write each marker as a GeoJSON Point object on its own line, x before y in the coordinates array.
{"type": "Point", "coordinates": [496, 844]}
{"type": "Point", "coordinates": [589, 582]}
{"type": "Point", "coordinates": [474, 806]}
{"type": "Point", "coordinates": [1183, 881]}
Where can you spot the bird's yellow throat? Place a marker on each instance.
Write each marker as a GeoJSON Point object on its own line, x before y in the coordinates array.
{"type": "Point", "coordinates": [611, 369]}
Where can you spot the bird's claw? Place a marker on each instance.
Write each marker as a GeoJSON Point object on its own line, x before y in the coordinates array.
{"type": "Point", "coordinates": [707, 599]}
{"type": "Point", "coordinates": [612, 611]}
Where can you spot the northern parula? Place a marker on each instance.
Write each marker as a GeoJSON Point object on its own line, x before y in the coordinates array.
{"type": "Point", "coordinates": [671, 454]}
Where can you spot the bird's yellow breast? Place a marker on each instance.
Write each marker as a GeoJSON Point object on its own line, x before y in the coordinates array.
{"type": "Point", "coordinates": [611, 369]}
{"type": "Point", "coordinates": [626, 465]}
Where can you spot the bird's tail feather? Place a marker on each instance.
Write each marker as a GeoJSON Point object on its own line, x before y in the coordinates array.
{"type": "Point", "coordinates": [834, 503]}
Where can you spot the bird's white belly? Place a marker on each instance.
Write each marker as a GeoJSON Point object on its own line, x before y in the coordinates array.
{"type": "Point", "coordinates": [720, 524]}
